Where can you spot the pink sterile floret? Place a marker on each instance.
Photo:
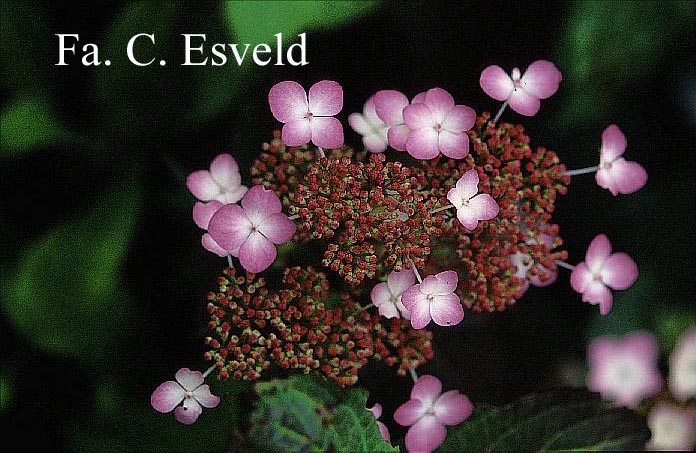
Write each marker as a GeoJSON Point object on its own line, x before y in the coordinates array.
{"type": "Point", "coordinates": [672, 428]}
{"type": "Point", "coordinates": [522, 91]}
{"type": "Point", "coordinates": [188, 388]}
{"type": "Point", "coordinates": [682, 367]}
{"type": "Point", "coordinates": [308, 118]}
{"type": "Point", "coordinates": [202, 213]}
{"type": "Point", "coordinates": [428, 411]}
{"type": "Point", "coordinates": [251, 231]}
{"type": "Point", "coordinates": [524, 262]}
{"type": "Point", "coordinates": [383, 430]}
{"type": "Point", "coordinates": [386, 296]}
{"type": "Point", "coordinates": [434, 299]}
{"type": "Point", "coordinates": [616, 173]}
{"type": "Point", "coordinates": [624, 370]}
{"type": "Point", "coordinates": [471, 207]}
{"type": "Point", "coordinates": [372, 129]}
{"type": "Point", "coordinates": [438, 126]}
{"type": "Point", "coordinates": [221, 183]}
{"type": "Point", "coordinates": [389, 107]}
{"type": "Point", "coordinates": [601, 271]}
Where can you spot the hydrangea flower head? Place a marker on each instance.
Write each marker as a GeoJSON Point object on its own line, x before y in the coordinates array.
{"type": "Point", "coordinates": [522, 91]}
{"type": "Point", "coordinates": [438, 126]}
{"type": "Point", "coordinates": [383, 430]}
{"type": "Point", "coordinates": [202, 213]}
{"type": "Point", "coordinates": [672, 428]}
{"type": "Point", "coordinates": [308, 118]}
{"type": "Point", "coordinates": [252, 230]}
{"type": "Point", "coordinates": [602, 271]}
{"type": "Point", "coordinates": [434, 299]}
{"type": "Point", "coordinates": [624, 370]}
{"type": "Point", "coordinates": [371, 127]}
{"type": "Point", "coordinates": [428, 411]}
{"type": "Point", "coordinates": [221, 183]}
{"type": "Point", "coordinates": [387, 295]}
{"type": "Point", "coordinates": [616, 173]}
{"type": "Point", "coordinates": [190, 389]}
{"type": "Point", "coordinates": [682, 367]}
{"type": "Point", "coordinates": [471, 205]}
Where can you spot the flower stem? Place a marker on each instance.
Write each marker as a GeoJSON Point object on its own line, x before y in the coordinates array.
{"type": "Point", "coordinates": [294, 217]}
{"type": "Point", "coordinates": [500, 112]}
{"type": "Point", "coordinates": [581, 171]}
{"type": "Point", "coordinates": [229, 261]}
{"type": "Point", "coordinates": [321, 152]}
{"type": "Point", "coordinates": [414, 376]}
{"type": "Point", "coordinates": [366, 307]}
{"type": "Point", "coordinates": [442, 208]}
{"type": "Point", "coordinates": [208, 371]}
{"type": "Point", "coordinates": [561, 263]}
{"type": "Point", "coordinates": [415, 270]}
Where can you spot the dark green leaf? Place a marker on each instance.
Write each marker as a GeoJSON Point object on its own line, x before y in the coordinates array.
{"type": "Point", "coordinates": [28, 123]}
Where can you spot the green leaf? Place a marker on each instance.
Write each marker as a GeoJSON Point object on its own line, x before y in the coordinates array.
{"type": "Point", "coordinates": [307, 413]}
{"type": "Point", "coordinates": [64, 294]}
{"type": "Point", "coordinates": [553, 421]}
{"type": "Point", "coordinates": [28, 123]}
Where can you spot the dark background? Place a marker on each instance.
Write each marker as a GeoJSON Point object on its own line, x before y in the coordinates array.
{"type": "Point", "coordinates": [103, 278]}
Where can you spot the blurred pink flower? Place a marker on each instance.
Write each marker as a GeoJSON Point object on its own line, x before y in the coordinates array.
{"type": "Point", "coordinates": [601, 271]}
{"type": "Point", "coordinates": [202, 213]}
{"type": "Point", "coordinates": [383, 430]}
{"type": "Point", "coordinates": [308, 118]}
{"type": "Point", "coordinates": [389, 107]}
{"type": "Point", "coordinates": [682, 367]}
{"type": "Point", "coordinates": [434, 299]}
{"type": "Point", "coordinates": [188, 388]}
{"type": "Point", "coordinates": [438, 126]}
{"type": "Point", "coordinates": [251, 231]}
{"type": "Point", "coordinates": [672, 428]}
{"type": "Point", "coordinates": [387, 295]}
{"type": "Point", "coordinates": [428, 411]}
{"type": "Point", "coordinates": [624, 370]}
{"type": "Point", "coordinates": [221, 183]}
{"type": "Point", "coordinates": [471, 206]}
{"type": "Point", "coordinates": [616, 173]}
{"type": "Point", "coordinates": [372, 129]}
{"type": "Point", "coordinates": [522, 91]}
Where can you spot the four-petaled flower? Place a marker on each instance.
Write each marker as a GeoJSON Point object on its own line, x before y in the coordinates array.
{"type": "Point", "coordinates": [682, 367]}
{"type": "Point", "coordinates": [616, 173]}
{"type": "Point", "coordinates": [522, 91]}
{"type": "Point", "coordinates": [438, 126]}
{"type": "Point", "coordinates": [428, 411]}
{"type": "Point", "coordinates": [672, 428]}
{"type": "Point", "coordinates": [190, 389]}
{"type": "Point", "coordinates": [389, 106]}
{"type": "Point", "coordinates": [471, 206]}
{"type": "Point", "coordinates": [202, 213]}
{"type": "Point", "coordinates": [601, 271]}
{"type": "Point", "coordinates": [221, 183]}
{"type": "Point", "coordinates": [251, 231]}
{"type": "Point", "coordinates": [383, 430]}
{"type": "Point", "coordinates": [308, 118]}
{"type": "Point", "coordinates": [624, 370]}
{"type": "Point", "coordinates": [372, 129]}
{"type": "Point", "coordinates": [387, 295]}
{"type": "Point", "coordinates": [434, 299]}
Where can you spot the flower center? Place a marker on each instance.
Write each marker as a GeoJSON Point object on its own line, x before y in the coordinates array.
{"type": "Point", "coordinates": [438, 127]}
{"type": "Point", "coordinates": [189, 394]}
{"type": "Point", "coordinates": [597, 278]}
{"type": "Point", "coordinates": [309, 116]}
{"type": "Point", "coordinates": [606, 165]}
{"type": "Point", "coordinates": [430, 297]}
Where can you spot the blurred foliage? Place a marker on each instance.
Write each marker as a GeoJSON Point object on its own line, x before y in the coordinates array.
{"type": "Point", "coordinates": [27, 124]}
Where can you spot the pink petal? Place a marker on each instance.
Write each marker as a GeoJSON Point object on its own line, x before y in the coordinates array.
{"type": "Point", "coordinates": [202, 185]}
{"type": "Point", "coordinates": [370, 113]}
{"type": "Point", "coordinates": [461, 118]}
{"type": "Point", "coordinates": [277, 228]}
{"type": "Point", "coordinates": [225, 171]}
{"type": "Point", "coordinates": [423, 143]}
{"type": "Point", "coordinates": [440, 103]}
{"type": "Point", "coordinates": [629, 176]}
{"type": "Point", "coordinates": [427, 389]}
{"type": "Point", "coordinates": [375, 142]}
{"type": "Point", "coordinates": [358, 123]}
{"type": "Point", "coordinates": [419, 98]}
{"type": "Point", "coordinates": [619, 271]}
{"type": "Point", "coordinates": [403, 310]}
{"type": "Point", "coordinates": [452, 408]}
{"type": "Point", "coordinates": [380, 294]}
{"type": "Point", "coordinates": [384, 431]}
{"type": "Point", "coordinates": [484, 206]}
{"type": "Point", "coordinates": [188, 413]}
{"type": "Point", "coordinates": [398, 136]}
{"type": "Point", "coordinates": [598, 251]}
{"type": "Point", "coordinates": [389, 105]}
{"type": "Point", "coordinates": [411, 296]}
{"type": "Point", "coordinates": [613, 143]}
{"type": "Point", "coordinates": [597, 293]}
{"type": "Point", "coordinates": [327, 132]}
{"type": "Point", "coordinates": [376, 410]}
{"type": "Point", "coordinates": [447, 282]}
{"type": "Point", "coordinates": [418, 116]}
{"type": "Point", "coordinates": [288, 102]}
{"type": "Point", "coordinates": [233, 195]}
{"type": "Point", "coordinates": [454, 145]}
{"type": "Point", "coordinates": [467, 185]}
{"type": "Point", "coordinates": [297, 132]}
{"type": "Point", "coordinates": [257, 253]}
{"type": "Point", "coordinates": [549, 277]}
{"type": "Point", "coordinates": [601, 351]}
{"type": "Point", "coordinates": [388, 310]}
{"type": "Point", "coordinates": [260, 203]}
{"type": "Point", "coordinates": [188, 379]}
{"type": "Point", "coordinates": [496, 83]}
{"type": "Point", "coordinates": [524, 102]}
{"type": "Point", "coordinates": [641, 344]}
{"type": "Point", "coordinates": [541, 79]}
{"type": "Point", "coordinates": [410, 412]}
{"type": "Point", "coordinates": [467, 217]}
{"type": "Point", "coordinates": [210, 245]}
{"type": "Point", "coordinates": [605, 179]}
{"type": "Point", "coordinates": [419, 310]}
{"type": "Point", "coordinates": [205, 398]}
{"type": "Point", "coordinates": [581, 277]}
{"type": "Point", "coordinates": [167, 396]}
{"type": "Point", "coordinates": [430, 285]}
{"type": "Point", "coordinates": [400, 281]}
{"type": "Point", "coordinates": [426, 435]}
{"type": "Point", "coordinates": [230, 227]}
{"type": "Point", "coordinates": [325, 99]}
{"type": "Point", "coordinates": [446, 310]}
{"type": "Point", "coordinates": [203, 212]}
